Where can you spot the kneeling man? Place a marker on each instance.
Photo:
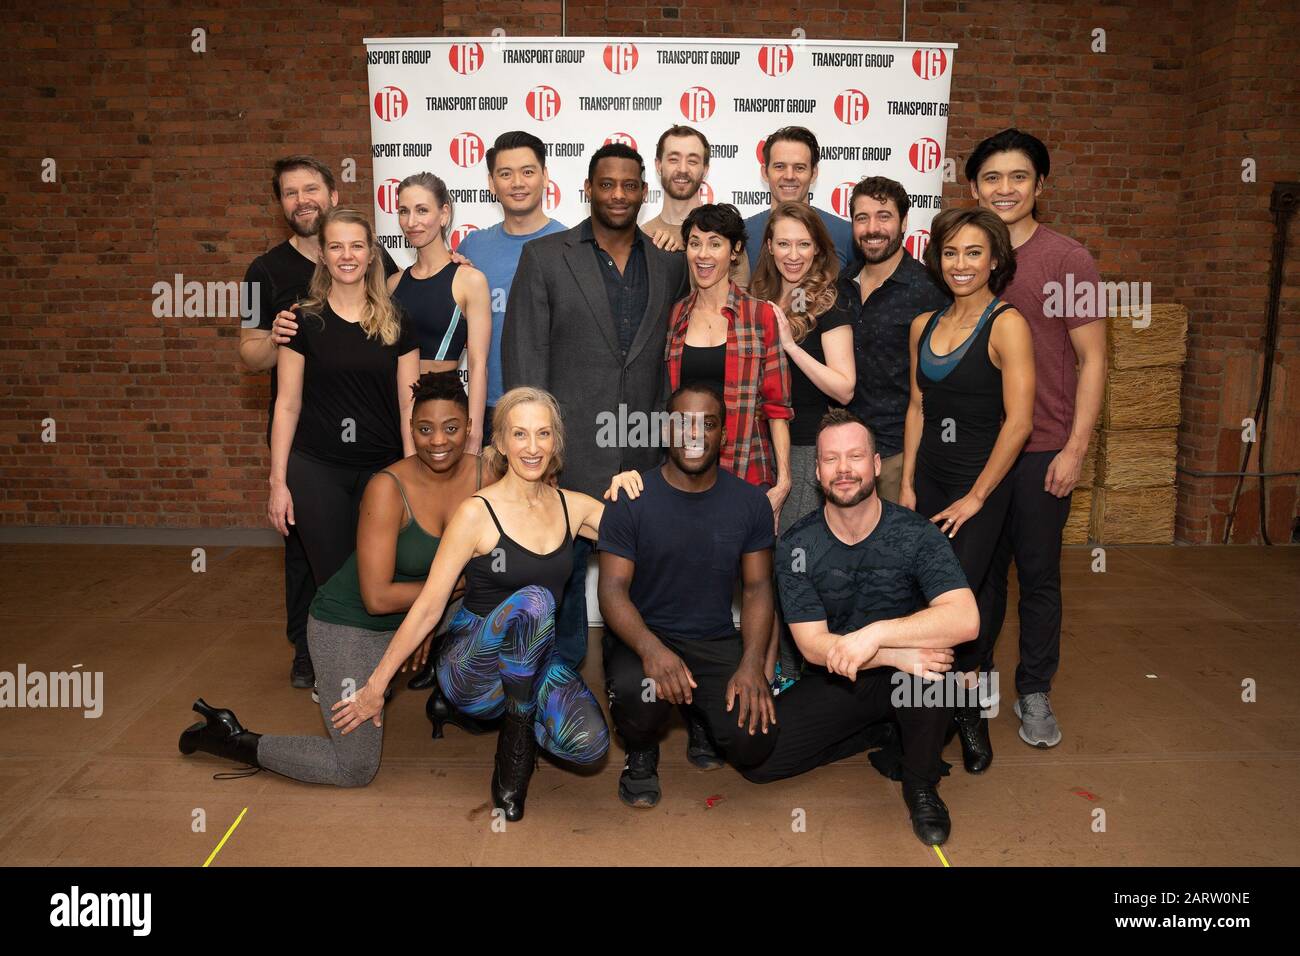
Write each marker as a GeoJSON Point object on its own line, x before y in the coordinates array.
{"type": "Point", "coordinates": [876, 600]}
{"type": "Point", "coordinates": [668, 566]}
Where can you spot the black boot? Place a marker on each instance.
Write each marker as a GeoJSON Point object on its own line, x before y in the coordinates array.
{"type": "Point", "coordinates": [302, 675]}
{"type": "Point", "coordinates": [221, 735]}
{"type": "Point", "coordinates": [425, 677]}
{"type": "Point", "coordinates": [976, 748]}
{"type": "Point", "coordinates": [516, 756]}
{"type": "Point", "coordinates": [929, 815]}
{"type": "Point", "coordinates": [700, 752]}
{"type": "Point", "coordinates": [440, 711]}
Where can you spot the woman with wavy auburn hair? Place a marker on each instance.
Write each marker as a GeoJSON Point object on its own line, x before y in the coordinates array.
{"type": "Point", "coordinates": [345, 387]}
{"type": "Point", "coordinates": [513, 542]}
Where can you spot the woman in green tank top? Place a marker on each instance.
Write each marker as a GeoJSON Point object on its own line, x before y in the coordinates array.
{"type": "Point", "coordinates": [355, 613]}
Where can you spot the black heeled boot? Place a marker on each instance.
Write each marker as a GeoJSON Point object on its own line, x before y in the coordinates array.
{"type": "Point", "coordinates": [976, 748]}
{"type": "Point", "coordinates": [221, 735]}
{"type": "Point", "coordinates": [425, 678]}
{"type": "Point", "coordinates": [440, 711]}
{"type": "Point", "coordinates": [515, 760]}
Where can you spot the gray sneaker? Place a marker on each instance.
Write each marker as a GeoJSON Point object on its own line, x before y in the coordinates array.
{"type": "Point", "coordinates": [1038, 726]}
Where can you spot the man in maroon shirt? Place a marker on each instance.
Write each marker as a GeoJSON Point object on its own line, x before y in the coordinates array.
{"type": "Point", "coordinates": [1006, 173]}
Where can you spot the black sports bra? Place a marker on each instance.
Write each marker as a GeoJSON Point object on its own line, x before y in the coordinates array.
{"type": "Point", "coordinates": [491, 578]}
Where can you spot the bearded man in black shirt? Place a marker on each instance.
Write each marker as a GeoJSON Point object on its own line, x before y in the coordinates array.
{"type": "Point", "coordinates": [876, 600]}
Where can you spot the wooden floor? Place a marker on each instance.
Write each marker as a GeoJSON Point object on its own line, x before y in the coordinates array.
{"type": "Point", "coordinates": [1157, 735]}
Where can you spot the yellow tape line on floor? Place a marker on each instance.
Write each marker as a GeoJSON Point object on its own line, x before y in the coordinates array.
{"type": "Point", "coordinates": [226, 837]}
{"type": "Point", "coordinates": [937, 851]}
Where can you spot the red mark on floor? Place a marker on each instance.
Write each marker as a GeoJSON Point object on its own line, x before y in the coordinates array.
{"type": "Point", "coordinates": [711, 802]}
{"type": "Point", "coordinates": [1080, 792]}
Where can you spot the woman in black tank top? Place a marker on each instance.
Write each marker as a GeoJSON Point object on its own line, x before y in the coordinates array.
{"type": "Point", "coordinates": [971, 413]}
{"type": "Point", "coordinates": [513, 541]}
{"type": "Point", "coordinates": [448, 303]}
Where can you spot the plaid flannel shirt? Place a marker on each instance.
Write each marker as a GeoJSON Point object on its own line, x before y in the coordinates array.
{"type": "Point", "coordinates": [757, 386]}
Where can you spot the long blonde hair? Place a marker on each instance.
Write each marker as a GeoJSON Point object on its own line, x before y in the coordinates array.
{"type": "Point", "coordinates": [494, 458]}
{"type": "Point", "coordinates": [818, 284]}
{"type": "Point", "coordinates": [379, 316]}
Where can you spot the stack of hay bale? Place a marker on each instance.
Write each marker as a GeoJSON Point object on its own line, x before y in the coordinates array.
{"type": "Point", "coordinates": [1130, 496]}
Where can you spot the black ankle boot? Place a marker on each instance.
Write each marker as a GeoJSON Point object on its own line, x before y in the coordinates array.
{"type": "Point", "coordinates": [516, 756]}
{"type": "Point", "coordinates": [425, 677]}
{"type": "Point", "coordinates": [440, 711]}
{"type": "Point", "coordinates": [221, 735]}
{"type": "Point", "coordinates": [976, 748]}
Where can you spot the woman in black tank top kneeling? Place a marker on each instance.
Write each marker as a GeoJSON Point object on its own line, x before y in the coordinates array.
{"type": "Point", "coordinates": [971, 412]}
{"type": "Point", "coordinates": [513, 541]}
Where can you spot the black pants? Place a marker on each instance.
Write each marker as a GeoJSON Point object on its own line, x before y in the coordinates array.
{"type": "Point", "coordinates": [1032, 534]}
{"type": "Point", "coordinates": [326, 502]}
{"type": "Point", "coordinates": [571, 615]}
{"type": "Point", "coordinates": [974, 545]}
{"type": "Point", "coordinates": [824, 718]}
{"type": "Point", "coordinates": [712, 663]}
{"type": "Point", "coordinates": [299, 588]}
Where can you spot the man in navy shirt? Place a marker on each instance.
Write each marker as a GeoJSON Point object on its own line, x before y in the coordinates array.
{"type": "Point", "coordinates": [669, 561]}
{"type": "Point", "coordinates": [875, 599]}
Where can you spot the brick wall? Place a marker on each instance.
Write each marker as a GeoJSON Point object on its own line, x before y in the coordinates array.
{"type": "Point", "coordinates": [163, 153]}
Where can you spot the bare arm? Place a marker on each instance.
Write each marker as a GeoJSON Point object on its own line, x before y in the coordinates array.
{"type": "Point", "coordinates": [408, 373]}
{"type": "Point", "coordinates": [290, 366]}
{"type": "Point", "coordinates": [378, 526]}
{"type": "Point", "coordinates": [1089, 343]}
{"type": "Point", "coordinates": [915, 419]}
{"type": "Point", "coordinates": [838, 376]}
{"type": "Point", "coordinates": [477, 306]}
{"type": "Point", "coordinates": [257, 349]}
{"type": "Point", "coordinates": [952, 618]}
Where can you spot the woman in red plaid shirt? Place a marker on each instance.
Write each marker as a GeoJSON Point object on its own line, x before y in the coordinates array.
{"type": "Point", "coordinates": [720, 335]}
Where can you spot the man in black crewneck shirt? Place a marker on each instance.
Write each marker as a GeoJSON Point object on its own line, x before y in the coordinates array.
{"type": "Point", "coordinates": [280, 277]}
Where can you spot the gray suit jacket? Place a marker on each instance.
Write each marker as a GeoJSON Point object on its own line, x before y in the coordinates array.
{"type": "Point", "coordinates": [559, 335]}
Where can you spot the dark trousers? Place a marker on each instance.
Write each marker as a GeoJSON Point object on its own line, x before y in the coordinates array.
{"type": "Point", "coordinates": [299, 587]}
{"type": "Point", "coordinates": [974, 545]}
{"type": "Point", "coordinates": [326, 502]}
{"type": "Point", "coordinates": [1032, 534]}
{"type": "Point", "coordinates": [824, 718]}
{"type": "Point", "coordinates": [712, 663]}
{"type": "Point", "coordinates": [571, 619]}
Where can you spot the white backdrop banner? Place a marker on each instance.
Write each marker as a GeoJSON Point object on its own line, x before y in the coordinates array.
{"type": "Point", "coordinates": [437, 104]}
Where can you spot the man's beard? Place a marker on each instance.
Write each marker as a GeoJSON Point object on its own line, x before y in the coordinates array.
{"type": "Point", "coordinates": [693, 187]}
{"type": "Point", "coordinates": [305, 231]}
{"type": "Point", "coordinates": [864, 491]}
{"type": "Point", "coordinates": [890, 248]}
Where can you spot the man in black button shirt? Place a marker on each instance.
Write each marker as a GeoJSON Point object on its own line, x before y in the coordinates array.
{"type": "Point", "coordinates": [875, 599]}
{"type": "Point", "coordinates": [668, 568]}
{"type": "Point", "coordinates": [890, 290]}
{"type": "Point", "coordinates": [304, 188]}
{"type": "Point", "coordinates": [587, 320]}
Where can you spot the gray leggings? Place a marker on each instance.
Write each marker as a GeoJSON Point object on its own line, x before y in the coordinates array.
{"type": "Point", "coordinates": [338, 653]}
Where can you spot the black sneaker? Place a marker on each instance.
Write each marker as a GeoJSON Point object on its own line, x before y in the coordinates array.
{"type": "Point", "coordinates": [699, 747]}
{"type": "Point", "coordinates": [639, 785]}
{"type": "Point", "coordinates": [302, 675]}
{"type": "Point", "coordinates": [930, 821]}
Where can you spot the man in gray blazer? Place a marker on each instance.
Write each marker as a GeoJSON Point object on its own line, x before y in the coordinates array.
{"type": "Point", "coordinates": [587, 320]}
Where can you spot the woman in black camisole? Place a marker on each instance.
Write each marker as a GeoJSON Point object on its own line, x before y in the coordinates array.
{"type": "Point", "coordinates": [513, 541]}
{"type": "Point", "coordinates": [971, 412]}
{"type": "Point", "coordinates": [448, 303]}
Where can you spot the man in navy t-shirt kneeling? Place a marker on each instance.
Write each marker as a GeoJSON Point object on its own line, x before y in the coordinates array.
{"type": "Point", "coordinates": [876, 600]}
{"type": "Point", "coordinates": [669, 561]}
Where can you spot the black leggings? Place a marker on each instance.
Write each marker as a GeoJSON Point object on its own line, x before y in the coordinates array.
{"type": "Point", "coordinates": [326, 502]}
{"type": "Point", "coordinates": [974, 545]}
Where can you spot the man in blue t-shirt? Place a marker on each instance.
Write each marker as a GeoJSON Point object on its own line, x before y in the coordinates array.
{"type": "Point", "coordinates": [517, 176]}
{"type": "Point", "coordinates": [876, 600]}
{"type": "Point", "coordinates": [669, 561]}
{"type": "Point", "coordinates": [790, 159]}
